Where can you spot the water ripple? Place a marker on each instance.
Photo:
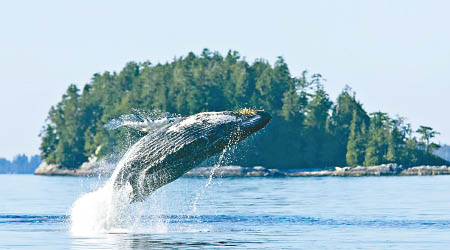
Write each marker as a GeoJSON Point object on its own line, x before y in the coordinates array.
{"type": "Point", "coordinates": [249, 220]}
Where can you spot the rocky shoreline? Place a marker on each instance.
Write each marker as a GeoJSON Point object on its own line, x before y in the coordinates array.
{"type": "Point", "coordinates": [93, 169]}
{"type": "Point", "coordinates": [380, 170]}
{"type": "Point", "coordinates": [53, 169]}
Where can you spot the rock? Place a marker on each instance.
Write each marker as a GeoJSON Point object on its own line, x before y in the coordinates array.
{"type": "Point", "coordinates": [92, 167]}
{"type": "Point", "coordinates": [230, 171]}
{"type": "Point", "coordinates": [310, 173]}
{"type": "Point", "coordinates": [426, 170]}
{"type": "Point", "coordinates": [384, 169]}
{"type": "Point", "coordinates": [46, 169]}
{"type": "Point", "coordinates": [235, 171]}
{"type": "Point", "coordinates": [259, 168]}
{"type": "Point", "coordinates": [276, 173]}
{"type": "Point", "coordinates": [256, 174]}
{"type": "Point", "coordinates": [53, 169]}
{"type": "Point", "coordinates": [199, 172]}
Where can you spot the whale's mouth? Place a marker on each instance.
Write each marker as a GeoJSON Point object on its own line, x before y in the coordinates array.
{"type": "Point", "coordinates": [252, 120]}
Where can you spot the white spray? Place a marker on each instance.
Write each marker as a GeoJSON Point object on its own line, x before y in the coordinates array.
{"type": "Point", "coordinates": [109, 209]}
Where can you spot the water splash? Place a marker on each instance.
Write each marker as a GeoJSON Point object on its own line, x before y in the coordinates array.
{"type": "Point", "coordinates": [109, 209]}
{"type": "Point", "coordinates": [210, 179]}
{"type": "Point", "coordinates": [100, 211]}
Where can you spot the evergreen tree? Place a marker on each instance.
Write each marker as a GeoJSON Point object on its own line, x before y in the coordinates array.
{"type": "Point", "coordinates": [427, 133]}
{"type": "Point", "coordinates": [316, 120]}
{"type": "Point", "coordinates": [377, 143]}
{"type": "Point", "coordinates": [356, 141]}
{"type": "Point", "coordinates": [340, 124]}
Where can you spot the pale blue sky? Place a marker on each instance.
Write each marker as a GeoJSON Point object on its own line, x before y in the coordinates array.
{"type": "Point", "coordinates": [394, 54]}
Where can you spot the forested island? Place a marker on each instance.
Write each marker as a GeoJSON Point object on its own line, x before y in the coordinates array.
{"type": "Point", "coordinates": [308, 129]}
{"type": "Point", "coordinates": [21, 164]}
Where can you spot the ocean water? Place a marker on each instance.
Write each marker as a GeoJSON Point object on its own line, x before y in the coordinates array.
{"type": "Point", "coordinates": [409, 212]}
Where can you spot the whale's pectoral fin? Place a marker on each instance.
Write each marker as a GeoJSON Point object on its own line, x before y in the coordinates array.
{"type": "Point", "coordinates": [140, 122]}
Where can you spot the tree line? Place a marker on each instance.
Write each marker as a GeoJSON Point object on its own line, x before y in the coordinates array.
{"type": "Point", "coordinates": [21, 164]}
{"type": "Point", "coordinates": [308, 129]}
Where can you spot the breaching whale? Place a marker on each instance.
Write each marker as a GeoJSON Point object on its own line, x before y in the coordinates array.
{"type": "Point", "coordinates": [167, 153]}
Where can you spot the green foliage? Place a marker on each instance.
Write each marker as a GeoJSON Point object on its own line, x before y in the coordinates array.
{"type": "Point", "coordinates": [377, 143]}
{"type": "Point", "coordinates": [307, 129]}
{"type": "Point", "coordinates": [63, 140]}
{"type": "Point", "coordinates": [346, 113]}
{"type": "Point", "coordinates": [427, 133]}
{"type": "Point", "coordinates": [357, 140]}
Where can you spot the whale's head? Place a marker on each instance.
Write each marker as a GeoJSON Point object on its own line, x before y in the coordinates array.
{"type": "Point", "coordinates": [248, 121]}
{"type": "Point", "coordinates": [221, 129]}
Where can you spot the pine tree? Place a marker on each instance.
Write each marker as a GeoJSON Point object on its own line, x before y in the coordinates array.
{"type": "Point", "coordinates": [316, 120]}
{"type": "Point", "coordinates": [377, 146]}
{"type": "Point", "coordinates": [340, 124]}
{"type": "Point", "coordinates": [356, 141]}
{"type": "Point", "coordinates": [427, 133]}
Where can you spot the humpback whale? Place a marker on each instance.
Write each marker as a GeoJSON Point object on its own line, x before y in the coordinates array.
{"type": "Point", "coordinates": [168, 152]}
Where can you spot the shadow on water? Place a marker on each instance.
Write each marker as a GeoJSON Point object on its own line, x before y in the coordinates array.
{"type": "Point", "coordinates": [207, 231]}
{"type": "Point", "coordinates": [150, 241]}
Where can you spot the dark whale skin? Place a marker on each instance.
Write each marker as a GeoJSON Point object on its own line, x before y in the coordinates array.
{"type": "Point", "coordinates": [166, 154]}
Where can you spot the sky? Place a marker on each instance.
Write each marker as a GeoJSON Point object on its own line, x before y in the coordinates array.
{"type": "Point", "coordinates": [394, 54]}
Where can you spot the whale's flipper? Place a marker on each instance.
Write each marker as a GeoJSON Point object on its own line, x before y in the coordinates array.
{"type": "Point", "coordinates": [142, 121]}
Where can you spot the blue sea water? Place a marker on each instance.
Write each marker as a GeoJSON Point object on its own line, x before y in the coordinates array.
{"type": "Point", "coordinates": [409, 212]}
